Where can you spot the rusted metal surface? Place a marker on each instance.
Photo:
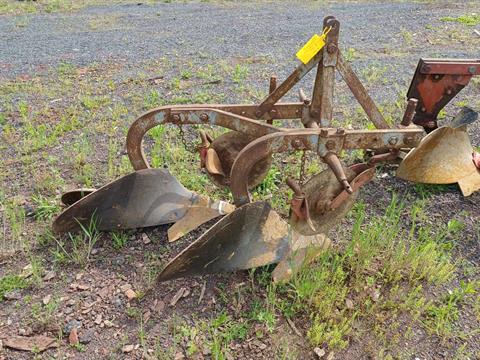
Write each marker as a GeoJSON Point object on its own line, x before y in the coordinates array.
{"type": "Point", "coordinates": [267, 105]}
{"type": "Point", "coordinates": [362, 178]}
{"type": "Point", "coordinates": [329, 62]}
{"type": "Point", "coordinates": [228, 146]}
{"type": "Point", "coordinates": [321, 141]}
{"type": "Point", "coordinates": [435, 83]}
{"type": "Point", "coordinates": [443, 157]}
{"type": "Point", "coordinates": [451, 66]}
{"type": "Point", "coordinates": [361, 94]}
{"type": "Point", "coordinates": [71, 197]}
{"type": "Point", "coordinates": [303, 251]}
{"type": "Point", "coordinates": [188, 115]}
{"type": "Point", "coordinates": [144, 198]}
{"type": "Point", "coordinates": [409, 112]}
{"type": "Point", "coordinates": [201, 211]}
{"type": "Point", "coordinates": [320, 191]}
{"type": "Point", "coordinates": [230, 245]}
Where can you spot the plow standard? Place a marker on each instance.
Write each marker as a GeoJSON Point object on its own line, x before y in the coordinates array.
{"type": "Point", "coordinates": [252, 234]}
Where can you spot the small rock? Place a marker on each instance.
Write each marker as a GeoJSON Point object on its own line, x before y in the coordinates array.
{"type": "Point", "coordinates": [159, 306]}
{"type": "Point", "coordinates": [46, 299]}
{"type": "Point", "coordinates": [108, 323]}
{"type": "Point", "coordinates": [128, 348]}
{"type": "Point", "coordinates": [49, 275]}
{"type": "Point", "coordinates": [98, 319]}
{"type": "Point", "coordinates": [130, 294]}
{"type": "Point", "coordinates": [319, 352]}
{"type": "Point", "coordinates": [259, 344]}
{"type": "Point", "coordinates": [119, 260]}
{"type": "Point", "coordinates": [12, 295]}
{"type": "Point", "coordinates": [179, 356]}
{"type": "Point", "coordinates": [83, 287]}
{"type": "Point", "coordinates": [27, 271]}
{"type": "Point", "coordinates": [145, 239]}
{"type": "Point", "coordinates": [349, 304]}
{"type": "Point", "coordinates": [70, 325]}
{"type": "Point", "coordinates": [125, 287]}
{"type": "Point", "coordinates": [73, 337]}
{"type": "Point", "coordinates": [177, 296]}
{"type": "Point", "coordinates": [117, 301]}
{"type": "Point", "coordinates": [86, 337]}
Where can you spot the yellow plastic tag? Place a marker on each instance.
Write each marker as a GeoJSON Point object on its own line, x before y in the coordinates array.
{"type": "Point", "coordinates": [312, 47]}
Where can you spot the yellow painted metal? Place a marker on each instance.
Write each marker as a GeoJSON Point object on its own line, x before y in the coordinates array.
{"type": "Point", "coordinates": [443, 157]}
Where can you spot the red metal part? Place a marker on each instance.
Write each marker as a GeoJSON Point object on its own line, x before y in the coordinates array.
{"type": "Point", "coordinates": [435, 83]}
{"type": "Point", "coordinates": [476, 159]}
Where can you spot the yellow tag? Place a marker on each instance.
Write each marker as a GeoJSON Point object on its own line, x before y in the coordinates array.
{"type": "Point", "coordinates": [312, 47]}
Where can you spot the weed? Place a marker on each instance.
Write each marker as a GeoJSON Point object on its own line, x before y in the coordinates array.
{"type": "Point", "coordinates": [240, 73]}
{"type": "Point", "coordinates": [119, 239]}
{"type": "Point", "coordinates": [43, 315]}
{"type": "Point", "coordinates": [441, 316]}
{"type": "Point", "coordinates": [9, 283]}
{"type": "Point", "coordinates": [380, 256]}
{"type": "Point", "coordinates": [350, 54]}
{"type": "Point", "coordinates": [81, 245]}
{"type": "Point", "coordinates": [45, 209]}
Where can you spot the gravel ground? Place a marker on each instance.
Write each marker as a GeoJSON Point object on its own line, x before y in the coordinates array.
{"type": "Point", "coordinates": [211, 31]}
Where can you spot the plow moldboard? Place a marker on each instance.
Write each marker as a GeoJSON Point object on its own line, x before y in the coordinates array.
{"type": "Point", "coordinates": [251, 236]}
{"type": "Point", "coordinates": [144, 198]}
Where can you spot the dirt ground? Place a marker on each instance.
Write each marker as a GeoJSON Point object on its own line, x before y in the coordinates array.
{"type": "Point", "coordinates": [72, 82]}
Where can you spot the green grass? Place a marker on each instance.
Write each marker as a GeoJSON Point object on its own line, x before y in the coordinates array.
{"type": "Point", "coordinates": [377, 276]}
{"type": "Point", "coordinates": [468, 19]}
{"type": "Point", "coordinates": [10, 283]}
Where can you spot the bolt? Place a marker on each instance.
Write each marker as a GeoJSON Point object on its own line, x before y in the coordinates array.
{"type": "Point", "coordinates": [176, 117]}
{"type": "Point", "coordinates": [273, 112]}
{"type": "Point", "coordinates": [436, 77]}
{"type": "Point", "coordinates": [323, 133]}
{"type": "Point", "coordinates": [472, 69]}
{"type": "Point", "coordinates": [297, 144]}
{"type": "Point", "coordinates": [330, 145]}
{"type": "Point", "coordinates": [393, 140]}
{"type": "Point", "coordinates": [204, 117]}
{"type": "Point", "coordinates": [331, 48]}
{"type": "Point", "coordinates": [423, 109]}
{"type": "Point", "coordinates": [408, 140]}
{"type": "Point", "coordinates": [449, 92]}
{"type": "Point", "coordinates": [426, 68]}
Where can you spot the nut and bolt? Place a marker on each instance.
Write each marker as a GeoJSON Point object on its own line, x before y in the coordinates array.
{"type": "Point", "coordinates": [472, 69]}
{"type": "Point", "coordinates": [330, 145]}
{"type": "Point", "coordinates": [297, 144]}
{"type": "Point", "coordinates": [393, 140]}
{"type": "Point", "coordinates": [449, 92]}
{"type": "Point", "coordinates": [436, 77]}
{"type": "Point", "coordinates": [423, 109]}
{"type": "Point", "coordinates": [323, 133]}
{"type": "Point", "coordinates": [204, 117]}
{"type": "Point", "coordinates": [176, 117]}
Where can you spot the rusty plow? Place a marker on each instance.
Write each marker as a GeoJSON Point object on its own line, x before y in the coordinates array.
{"type": "Point", "coordinates": [252, 137]}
